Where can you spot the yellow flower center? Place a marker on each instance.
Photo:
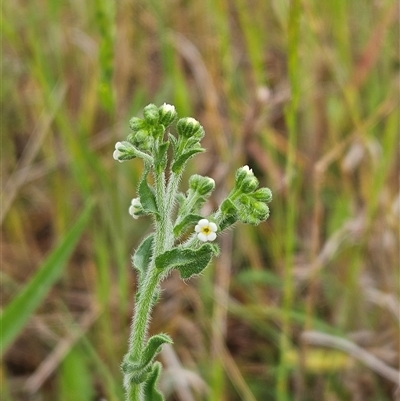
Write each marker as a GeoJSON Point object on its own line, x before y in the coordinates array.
{"type": "Point", "coordinates": [205, 230]}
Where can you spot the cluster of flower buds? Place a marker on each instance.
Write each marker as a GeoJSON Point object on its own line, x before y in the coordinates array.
{"type": "Point", "coordinates": [245, 203]}
{"type": "Point", "coordinates": [152, 126]}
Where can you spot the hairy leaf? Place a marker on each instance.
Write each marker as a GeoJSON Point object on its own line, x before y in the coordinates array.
{"type": "Point", "coordinates": [183, 224]}
{"type": "Point", "coordinates": [147, 198]}
{"type": "Point", "coordinates": [150, 391]}
{"type": "Point", "coordinates": [188, 261]}
{"type": "Point", "coordinates": [178, 164]}
{"type": "Point", "coordinates": [142, 256]}
{"type": "Point", "coordinates": [153, 347]}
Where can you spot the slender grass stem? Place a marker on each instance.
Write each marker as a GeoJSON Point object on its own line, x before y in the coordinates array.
{"type": "Point", "coordinates": [291, 120]}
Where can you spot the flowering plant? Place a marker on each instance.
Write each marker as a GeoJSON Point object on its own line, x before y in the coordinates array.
{"type": "Point", "coordinates": [171, 246]}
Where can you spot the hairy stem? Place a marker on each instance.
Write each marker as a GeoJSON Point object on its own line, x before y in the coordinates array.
{"type": "Point", "coordinates": [143, 308]}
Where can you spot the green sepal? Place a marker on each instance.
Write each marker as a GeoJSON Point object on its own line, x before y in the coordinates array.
{"type": "Point", "coordinates": [188, 261]}
{"type": "Point", "coordinates": [183, 224]}
{"type": "Point", "coordinates": [150, 391]}
{"type": "Point", "coordinates": [142, 256]}
{"type": "Point", "coordinates": [147, 197]}
{"type": "Point", "coordinates": [178, 164]}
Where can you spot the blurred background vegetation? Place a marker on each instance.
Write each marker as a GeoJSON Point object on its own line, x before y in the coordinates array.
{"type": "Point", "coordinates": [302, 307]}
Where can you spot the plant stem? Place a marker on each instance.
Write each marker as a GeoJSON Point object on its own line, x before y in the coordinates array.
{"type": "Point", "coordinates": [139, 326]}
{"type": "Point", "coordinates": [162, 241]}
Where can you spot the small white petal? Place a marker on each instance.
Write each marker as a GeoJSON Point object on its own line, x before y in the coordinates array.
{"type": "Point", "coordinates": [168, 107]}
{"type": "Point", "coordinates": [211, 237]}
{"type": "Point", "coordinates": [136, 202]}
{"type": "Point", "coordinates": [116, 155]}
{"type": "Point", "coordinates": [202, 237]}
{"type": "Point", "coordinates": [203, 223]}
{"type": "Point", "coordinates": [191, 120]}
{"type": "Point", "coordinates": [117, 145]}
{"type": "Point", "coordinates": [197, 228]}
{"type": "Point", "coordinates": [213, 227]}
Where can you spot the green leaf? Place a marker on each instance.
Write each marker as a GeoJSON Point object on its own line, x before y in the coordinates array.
{"type": "Point", "coordinates": [153, 347]}
{"type": "Point", "coordinates": [141, 258]}
{"type": "Point", "coordinates": [150, 391]}
{"type": "Point", "coordinates": [147, 198]}
{"type": "Point", "coordinates": [183, 224]}
{"type": "Point", "coordinates": [137, 371]}
{"type": "Point", "coordinates": [17, 313]}
{"type": "Point", "coordinates": [188, 261]}
{"type": "Point", "coordinates": [161, 158]}
{"type": "Point", "coordinates": [133, 374]}
{"type": "Point", "coordinates": [183, 158]}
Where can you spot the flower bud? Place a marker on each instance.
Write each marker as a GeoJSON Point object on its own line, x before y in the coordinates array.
{"type": "Point", "coordinates": [246, 181]}
{"type": "Point", "coordinates": [242, 173]}
{"type": "Point", "coordinates": [141, 135]}
{"type": "Point", "coordinates": [202, 185]}
{"type": "Point", "coordinates": [135, 209]}
{"type": "Point", "coordinates": [167, 114]}
{"type": "Point", "coordinates": [249, 184]}
{"type": "Point", "coordinates": [136, 123]}
{"type": "Point", "coordinates": [263, 195]}
{"type": "Point", "coordinates": [123, 151]}
{"type": "Point", "coordinates": [151, 115]}
{"type": "Point", "coordinates": [188, 127]}
{"type": "Point", "coordinates": [261, 210]}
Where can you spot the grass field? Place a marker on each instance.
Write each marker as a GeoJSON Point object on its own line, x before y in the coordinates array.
{"type": "Point", "coordinates": [304, 307]}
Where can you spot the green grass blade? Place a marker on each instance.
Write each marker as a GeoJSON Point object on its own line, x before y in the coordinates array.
{"type": "Point", "coordinates": [16, 314]}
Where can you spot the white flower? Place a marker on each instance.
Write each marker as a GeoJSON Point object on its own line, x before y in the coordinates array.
{"type": "Point", "coordinates": [117, 153]}
{"type": "Point", "coordinates": [206, 230]}
{"type": "Point", "coordinates": [135, 208]}
{"type": "Point", "coordinates": [248, 170]}
{"type": "Point", "coordinates": [166, 108]}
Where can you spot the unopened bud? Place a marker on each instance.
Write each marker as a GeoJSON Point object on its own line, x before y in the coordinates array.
{"type": "Point", "coordinates": [202, 185]}
{"type": "Point", "coordinates": [136, 123]}
{"type": "Point", "coordinates": [261, 210]}
{"type": "Point", "coordinates": [263, 195]}
{"type": "Point", "coordinates": [246, 181]}
{"type": "Point", "coordinates": [151, 115]}
{"type": "Point", "coordinates": [188, 127]}
{"type": "Point", "coordinates": [167, 114]}
{"type": "Point", "coordinates": [123, 151]}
